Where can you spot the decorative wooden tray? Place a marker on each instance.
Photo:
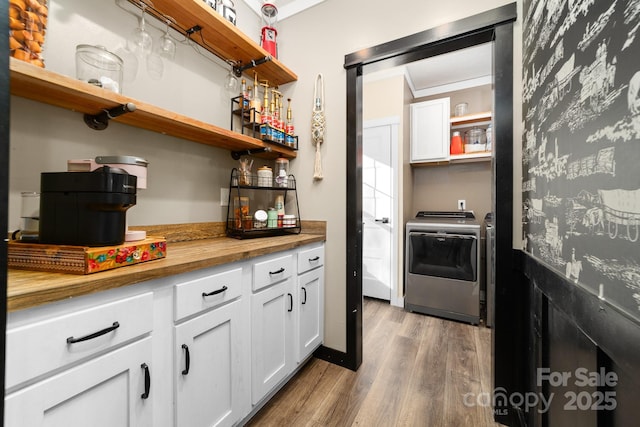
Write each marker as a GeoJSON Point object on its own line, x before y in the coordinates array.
{"type": "Point", "coordinates": [83, 259]}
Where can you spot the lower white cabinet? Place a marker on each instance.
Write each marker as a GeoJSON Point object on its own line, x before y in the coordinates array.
{"type": "Point", "coordinates": [208, 371]}
{"type": "Point", "coordinates": [204, 348]}
{"type": "Point", "coordinates": [272, 316]}
{"type": "Point", "coordinates": [310, 312]}
{"type": "Point", "coordinates": [110, 390]}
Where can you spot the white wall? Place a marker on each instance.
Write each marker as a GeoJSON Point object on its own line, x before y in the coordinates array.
{"type": "Point", "coordinates": [185, 177]}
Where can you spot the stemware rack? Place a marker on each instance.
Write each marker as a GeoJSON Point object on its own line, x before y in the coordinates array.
{"type": "Point", "coordinates": [197, 21]}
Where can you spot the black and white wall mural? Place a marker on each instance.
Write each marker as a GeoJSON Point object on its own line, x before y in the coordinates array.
{"type": "Point", "coordinates": [581, 143]}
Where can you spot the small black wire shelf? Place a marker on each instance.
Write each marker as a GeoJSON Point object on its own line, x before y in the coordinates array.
{"type": "Point", "coordinates": [250, 193]}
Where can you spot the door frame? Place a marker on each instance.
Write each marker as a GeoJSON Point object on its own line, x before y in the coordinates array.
{"type": "Point", "coordinates": [394, 123]}
{"type": "Point", "coordinates": [5, 105]}
{"type": "Point", "coordinates": [496, 26]}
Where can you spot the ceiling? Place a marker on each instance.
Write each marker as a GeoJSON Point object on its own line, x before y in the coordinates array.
{"type": "Point", "coordinates": [448, 72]}
{"type": "Point", "coordinates": [286, 8]}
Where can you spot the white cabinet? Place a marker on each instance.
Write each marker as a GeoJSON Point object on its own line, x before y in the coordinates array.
{"type": "Point", "coordinates": [310, 307]}
{"type": "Point", "coordinates": [310, 312]}
{"type": "Point", "coordinates": [84, 364]}
{"type": "Point", "coordinates": [110, 390]}
{"type": "Point", "coordinates": [272, 316]}
{"type": "Point", "coordinates": [430, 130]}
{"type": "Point", "coordinates": [61, 338]}
{"type": "Point", "coordinates": [209, 372]}
{"type": "Point", "coordinates": [209, 346]}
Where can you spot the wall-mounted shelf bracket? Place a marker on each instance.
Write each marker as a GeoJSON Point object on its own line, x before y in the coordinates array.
{"type": "Point", "coordinates": [239, 69]}
{"type": "Point", "coordinates": [237, 154]}
{"type": "Point", "coordinates": [100, 121]}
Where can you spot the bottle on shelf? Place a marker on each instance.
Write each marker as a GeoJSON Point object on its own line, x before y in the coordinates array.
{"type": "Point", "coordinates": [289, 128]}
{"type": "Point", "coordinates": [274, 118]}
{"type": "Point", "coordinates": [456, 143]}
{"type": "Point", "coordinates": [255, 103]}
{"type": "Point", "coordinates": [279, 210]}
{"type": "Point", "coordinates": [265, 114]}
{"type": "Point", "coordinates": [244, 94]}
{"type": "Point", "coordinates": [275, 115]}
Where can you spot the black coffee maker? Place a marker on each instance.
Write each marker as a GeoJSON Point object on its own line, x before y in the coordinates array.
{"type": "Point", "coordinates": [85, 208]}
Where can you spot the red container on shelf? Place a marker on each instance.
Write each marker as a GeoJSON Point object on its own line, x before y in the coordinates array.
{"type": "Point", "coordinates": [456, 144]}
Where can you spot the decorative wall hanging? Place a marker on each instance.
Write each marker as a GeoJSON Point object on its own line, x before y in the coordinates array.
{"type": "Point", "coordinates": [318, 124]}
{"type": "Point", "coordinates": [581, 144]}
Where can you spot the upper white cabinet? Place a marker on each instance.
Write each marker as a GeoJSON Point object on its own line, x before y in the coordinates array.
{"type": "Point", "coordinates": [430, 130]}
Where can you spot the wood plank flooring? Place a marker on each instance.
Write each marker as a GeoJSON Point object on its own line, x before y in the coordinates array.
{"type": "Point", "coordinates": [416, 370]}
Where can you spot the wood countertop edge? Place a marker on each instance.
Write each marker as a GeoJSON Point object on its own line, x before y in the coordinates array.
{"type": "Point", "coordinates": [27, 289]}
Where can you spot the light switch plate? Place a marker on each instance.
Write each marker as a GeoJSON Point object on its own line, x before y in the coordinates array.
{"type": "Point", "coordinates": [462, 204]}
{"type": "Point", "coordinates": [224, 197]}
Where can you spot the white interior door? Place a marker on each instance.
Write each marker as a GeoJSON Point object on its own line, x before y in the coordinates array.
{"type": "Point", "coordinates": [377, 211]}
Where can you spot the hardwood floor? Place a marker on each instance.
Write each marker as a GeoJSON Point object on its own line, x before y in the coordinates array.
{"type": "Point", "coordinates": [416, 371]}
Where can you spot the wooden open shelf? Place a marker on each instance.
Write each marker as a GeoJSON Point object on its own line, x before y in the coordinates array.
{"type": "Point", "coordinates": [31, 82]}
{"type": "Point", "coordinates": [223, 39]}
{"type": "Point", "coordinates": [470, 119]}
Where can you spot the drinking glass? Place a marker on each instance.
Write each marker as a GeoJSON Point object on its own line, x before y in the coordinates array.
{"type": "Point", "coordinates": [167, 45]}
{"type": "Point", "coordinates": [231, 82]}
{"type": "Point", "coordinates": [140, 41]}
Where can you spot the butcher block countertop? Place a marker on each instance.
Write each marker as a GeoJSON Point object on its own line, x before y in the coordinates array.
{"type": "Point", "coordinates": [189, 247]}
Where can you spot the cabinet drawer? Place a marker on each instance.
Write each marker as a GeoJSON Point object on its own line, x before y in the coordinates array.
{"type": "Point", "coordinates": [266, 273]}
{"type": "Point", "coordinates": [200, 294]}
{"type": "Point", "coordinates": [38, 348]}
{"type": "Point", "coordinates": [310, 258]}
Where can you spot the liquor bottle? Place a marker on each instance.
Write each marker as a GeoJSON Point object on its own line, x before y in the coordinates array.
{"type": "Point", "coordinates": [272, 112]}
{"type": "Point", "coordinates": [265, 116]}
{"type": "Point", "coordinates": [289, 128]}
{"type": "Point", "coordinates": [255, 101]}
{"type": "Point", "coordinates": [244, 94]}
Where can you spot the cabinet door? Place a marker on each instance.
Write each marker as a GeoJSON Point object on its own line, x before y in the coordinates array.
{"type": "Point", "coordinates": [310, 312]}
{"type": "Point", "coordinates": [430, 130]}
{"type": "Point", "coordinates": [272, 312]}
{"type": "Point", "coordinates": [208, 369]}
{"type": "Point", "coordinates": [103, 392]}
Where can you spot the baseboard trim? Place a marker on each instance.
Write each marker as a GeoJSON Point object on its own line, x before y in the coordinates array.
{"type": "Point", "coordinates": [333, 356]}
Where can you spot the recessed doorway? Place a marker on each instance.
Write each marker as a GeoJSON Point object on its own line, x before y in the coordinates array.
{"type": "Point", "coordinates": [491, 26]}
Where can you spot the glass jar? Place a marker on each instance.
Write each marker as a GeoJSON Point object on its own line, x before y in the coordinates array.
{"type": "Point", "coordinates": [265, 176]}
{"type": "Point", "coordinates": [476, 136]}
{"type": "Point", "coordinates": [461, 109]}
{"type": "Point", "coordinates": [241, 210]}
{"type": "Point", "coordinates": [282, 172]}
{"type": "Point", "coordinates": [97, 66]}
{"type": "Point", "coordinates": [27, 26]}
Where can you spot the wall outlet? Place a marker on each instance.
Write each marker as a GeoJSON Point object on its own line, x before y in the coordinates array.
{"type": "Point", "coordinates": [462, 204]}
{"type": "Point", "coordinates": [224, 197]}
